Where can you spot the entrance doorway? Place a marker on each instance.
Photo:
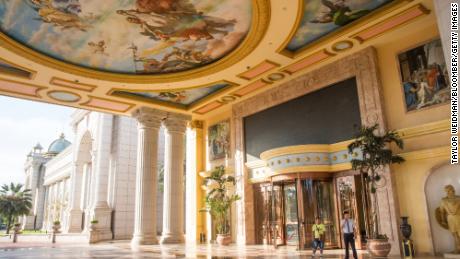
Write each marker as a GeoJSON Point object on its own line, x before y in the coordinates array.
{"type": "Point", "coordinates": [286, 209]}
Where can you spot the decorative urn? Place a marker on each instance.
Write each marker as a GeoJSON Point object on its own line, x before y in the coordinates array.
{"type": "Point", "coordinates": [406, 228]}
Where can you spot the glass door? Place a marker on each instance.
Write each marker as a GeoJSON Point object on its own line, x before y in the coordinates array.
{"type": "Point", "coordinates": [318, 201]}
{"type": "Point", "coordinates": [291, 217]}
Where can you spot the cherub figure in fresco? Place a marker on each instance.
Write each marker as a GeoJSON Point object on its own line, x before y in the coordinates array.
{"type": "Point", "coordinates": [98, 47]}
{"type": "Point", "coordinates": [338, 12]}
{"type": "Point", "coordinates": [176, 97]}
{"type": "Point", "coordinates": [61, 13]}
{"type": "Point", "coordinates": [175, 20]}
{"type": "Point", "coordinates": [186, 55]}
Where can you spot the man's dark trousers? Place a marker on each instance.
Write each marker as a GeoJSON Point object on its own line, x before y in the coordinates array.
{"type": "Point", "coordinates": [349, 239]}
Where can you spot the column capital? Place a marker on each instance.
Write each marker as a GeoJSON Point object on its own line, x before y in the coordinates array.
{"type": "Point", "coordinates": [176, 122]}
{"type": "Point", "coordinates": [196, 124]}
{"type": "Point", "coordinates": [149, 117]}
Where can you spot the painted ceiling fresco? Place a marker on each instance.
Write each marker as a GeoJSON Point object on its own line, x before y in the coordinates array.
{"type": "Point", "coordinates": [129, 36]}
{"type": "Point", "coordinates": [322, 17]}
{"type": "Point", "coordinates": [183, 97]}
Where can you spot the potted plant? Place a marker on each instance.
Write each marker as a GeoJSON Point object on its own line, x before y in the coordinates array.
{"type": "Point", "coordinates": [219, 200]}
{"type": "Point", "coordinates": [376, 154]}
{"type": "Point", "coordinates": [93, 224]}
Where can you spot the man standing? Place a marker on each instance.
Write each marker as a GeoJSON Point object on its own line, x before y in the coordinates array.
{"type": "Point", "coordinates": [348, 227]}
{"type": "Point", "coordinates": [318, 230]}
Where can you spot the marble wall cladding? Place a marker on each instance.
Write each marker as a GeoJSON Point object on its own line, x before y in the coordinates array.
{"type": "Point", "coordinates": [363, 66]}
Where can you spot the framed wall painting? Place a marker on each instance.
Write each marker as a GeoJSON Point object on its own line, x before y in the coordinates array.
{"type": "Point", "coordinates": [424, 76]}
{"type": "Point", "coordinates": [219, 140]}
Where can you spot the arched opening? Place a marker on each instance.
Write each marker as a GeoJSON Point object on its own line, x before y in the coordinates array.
{"type": "Point", "coordinates": [434, 191]}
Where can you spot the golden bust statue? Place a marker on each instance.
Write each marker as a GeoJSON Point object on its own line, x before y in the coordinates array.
{"type": "Point", "coordinates": [448, 214]}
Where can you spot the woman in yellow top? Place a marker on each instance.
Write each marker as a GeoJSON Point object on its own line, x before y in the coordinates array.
{"type": "Point", "coordinates": [318, 231]}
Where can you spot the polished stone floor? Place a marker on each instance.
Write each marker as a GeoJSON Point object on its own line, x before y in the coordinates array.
{"type": "Point", "coordinates": [72, 247]}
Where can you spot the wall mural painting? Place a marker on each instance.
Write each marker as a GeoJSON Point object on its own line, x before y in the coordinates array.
{"type": "Point", "coordinates": [322, 17]}
{"type": "Point", "coordinates": [425, 80]}
{"type": "Point", "coordinates": [129, 36]}
{"type": "Point", "coordinates": [219, 140]}
{"type": "Point", "coordinates": [182, 97]}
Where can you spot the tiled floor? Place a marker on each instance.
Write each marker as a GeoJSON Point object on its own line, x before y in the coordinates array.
{"type": "Point", "coordinates": [40, 247]}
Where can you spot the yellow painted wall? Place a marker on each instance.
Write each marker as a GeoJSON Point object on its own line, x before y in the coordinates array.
{"type": "Point", "coordinates": [410, 183]}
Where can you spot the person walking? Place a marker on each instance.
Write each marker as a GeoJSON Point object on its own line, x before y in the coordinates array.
{"type": "Point", "coordinates": [348, 230]}
{"type": "Point", "coordinates": [318, 231]}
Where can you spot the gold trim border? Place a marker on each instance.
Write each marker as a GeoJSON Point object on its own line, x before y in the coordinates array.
{"type": "Point", "coordinates": [230, 85]}
{"type": "Point", "coordinates": [63, 91]}
{"type": "Point", "coordinates": [276, 65]}
{"type": "Point", "coordinates": [90, 98]}
{"type": "Point", "coordinates": [299, 149]}
{"type": "Point", "coordinates": [260, 20]}
{"type": "Point", "coordinates": [424, 129]}
{"type": "Point", "coordinates": [37, 95]}
{"type": "Point", "coordinates": [427, 153]}
{"type": "Point", "coordinates": [53, 82]}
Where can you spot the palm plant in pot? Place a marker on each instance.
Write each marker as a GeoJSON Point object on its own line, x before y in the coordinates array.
{"type": "Point", "coordinates": [219, 200]}
{"type": "Point", "coordinates": [376, 155]}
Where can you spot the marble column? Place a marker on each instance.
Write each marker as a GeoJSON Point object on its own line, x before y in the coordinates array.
{"type": "Point", "coordinates": [101, 210]}
{"type": "Point", "coordinates": [194, 165]}
{"type": "Point", "coordinates": [149, 123]}
{"type": "Point", "coordinates": [173, 205]}
{"type": "Point", "coordinates": [75, 213]}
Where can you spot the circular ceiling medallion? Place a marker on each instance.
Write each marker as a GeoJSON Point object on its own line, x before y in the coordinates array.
{"type": "Point", "coordinates": [130, 37]}
{"type": "Point", "coordinates": [64, 96]}
{"type": "Point", "coordinates": [342, 45]}
{"type": "Point", "coordinates": [275, 76]}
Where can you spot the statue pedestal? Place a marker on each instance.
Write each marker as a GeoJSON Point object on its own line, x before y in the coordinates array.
{"type": "Point", "coordinates": [451, 255]}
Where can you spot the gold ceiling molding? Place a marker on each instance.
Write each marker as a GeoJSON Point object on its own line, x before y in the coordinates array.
{"type": "Point", "coordinates": [308, 61]}
{"type": "Point", "coordinates": [50, 95]}
{"type": "Point", "coordinates": [392, 22]}
{"type": "Point", "coordinates": [259, 24]}
{"type": "Point", "coordinates": [208, 107]}
{"type": "Point", "coordinates": [258, 70]}
{"type": "Point", "coordinates": [337, 33]}
{"type": "Point", "coordinates": [20, 88]}
{"type": "Point", "coordinates": [72, 84]}
{"type": "Point", "coordinates": [425, 129]}
{"type": "Point", "coordinates": [230, 85]}
{"type": "Point", "coordinates": [107, 104]}
{"type": "Point", "coordinates": [427, 153]}
{"type": "Point", "coordinates": [31, 73]}
{"type": "Point", "coordinates": [250, 88]}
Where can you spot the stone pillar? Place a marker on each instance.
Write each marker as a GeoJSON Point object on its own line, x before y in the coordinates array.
{"type": "Point", "coordinates": [101, 210]}
{"type": "Point", "coordinates": [173, 205]}
{"type": "Point", "coordinates": [31, 184]}
{"type": "Point", "coordinates": [194, 165]}
{"type": "Point", "coordinates": [149, 123]}
{"type": "Point", "coordinates": [74, 217]}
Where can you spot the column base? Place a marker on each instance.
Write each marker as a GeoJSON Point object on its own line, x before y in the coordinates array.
{"type": "Point", "coordinates": [139, 240]}
{"type": "Point", "coordinates": [102, 232]}
{"type": "Point", "coordinates": [172, 239]}
{"type": "Point", "coordinates": [28, 222]}
{"type": "Point", "coordinates": [74, 221]}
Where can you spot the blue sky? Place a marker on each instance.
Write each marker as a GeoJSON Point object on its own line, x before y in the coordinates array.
{"type": "Point", "coordinates": [23, 124]}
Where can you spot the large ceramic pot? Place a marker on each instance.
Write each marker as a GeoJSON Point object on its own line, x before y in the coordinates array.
{"type": "Point", "coordinates": [406, 228]}
{"type": "Point", "coordinates": [378, 247]}
{"type": "Point", "coordinates": [224, 239]}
